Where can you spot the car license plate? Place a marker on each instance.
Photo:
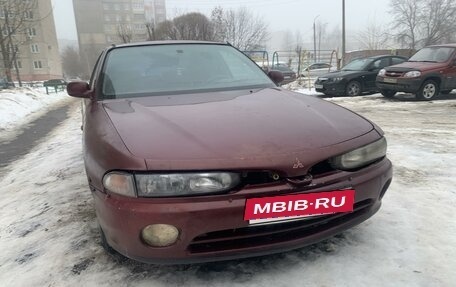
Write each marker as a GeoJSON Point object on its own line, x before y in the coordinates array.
{"type": "Point", "coordinates": [299, 206]}
{"type": "Point", "coordinates": [286, 77]}
{"type": "Point", "coordinates": [389, 80]}
{"type": "Point", "coordinates": [318, 86]}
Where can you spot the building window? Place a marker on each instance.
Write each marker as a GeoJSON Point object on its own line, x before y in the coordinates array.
{"type": "Point", "coordinates": [138, 6]}
{"type": "Point", "coordinates": [107, 18]}
{"type": "Point", "coordinates": [28, 14]}
{"type": "Point", "coordinates": [127, 18]}
{"type": "Point", "coordinates": [117, 7]}
{"type": "Point", "coordinates": [126, 6]}
{"type": "Point", "coordinates": [106, 6]}
{"type": "Point", "coordinates": [118, 18]}
{"type": "Point", "coordinates": [31, 32]}
{"type": "Point", "coordinates": [34, 48]}
{"type": "Point", "coordinates": [138, 17]}
{"type": "Point", "coordinates": [37, 65]}
{"type": "Point", "coordinates": [8, 31]}
{"type": "Point", "coordinates": [19, 64]}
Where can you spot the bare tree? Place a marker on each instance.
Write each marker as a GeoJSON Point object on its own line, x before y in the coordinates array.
{"type": "Point", "coordinates": [288, 40]}
{"type": "Point", "coordinates": [374, 37]}
{"type": "Point", "coordinates": [438, 21]}
{"type": "Point", "coordinates": [240, 28]}
{"type": "Point", "coordinates": [193, 26]}
{"type": "Point", "coordinates": [166, 31]}
{"type": "Point", "coordinates": [424, 22]}
{"type": "Point", "coordinates": [406, 19]}
{"type": "Point", "coordinates": [151, 35]}
{"type": "Point", "coordinates": [71, 63]}
{"type": "Point", "coordinates": [321, 32]}
{"type": "Point", "coordinates": [190, 26]}
{"type": "Point", "coordinates": [16, 23]}
{"type": "Point", "coordinates": [125, 33]}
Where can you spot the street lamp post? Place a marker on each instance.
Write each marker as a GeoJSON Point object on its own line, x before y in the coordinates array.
{"type": "Point", "coordinates": [315, 40]}
{"type": "Point", "coordinates": [343, 32]}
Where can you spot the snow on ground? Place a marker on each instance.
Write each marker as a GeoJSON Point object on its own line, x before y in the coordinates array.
{"type": "Point", "coordinates": [21, 105]}
{"type": "Point", "coordinates": [49, 236]}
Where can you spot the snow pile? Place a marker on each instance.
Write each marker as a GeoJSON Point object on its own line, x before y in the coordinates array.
{"type": "Point", "coordinates": [16, 105]}
{"type": "Point", "coordinates": [301, 83]}
{"type": "Point", "coordinates": [49, 236]}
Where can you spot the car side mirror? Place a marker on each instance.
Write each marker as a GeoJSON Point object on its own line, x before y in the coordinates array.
{"type": "Point", "coordinates": [276, 77]}
{"type": "Point", "coordinates": [79, 89]}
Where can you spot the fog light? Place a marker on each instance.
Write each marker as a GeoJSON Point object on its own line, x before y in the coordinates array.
{"type": "Point", "coordinates": [160, 235]}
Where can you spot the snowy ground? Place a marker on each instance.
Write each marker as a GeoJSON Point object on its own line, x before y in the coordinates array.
{"type": "Point", "coordinates": [49, 235]}
{"type": "Point", "coordinates": [21, 105]}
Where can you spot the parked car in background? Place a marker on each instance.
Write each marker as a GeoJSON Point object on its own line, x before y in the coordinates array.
{"type": "Point", "coordinates": [192, 153]}
{"type": "Point", "coordinates": [4, 84]}
{"type": "Point", "coordinates": [288, 74]}
{"type": "Point", "coordinates": [432, 70]}
{"type": "Point", "coordinates": [317, 69]}
{"type": "Point", "coordinates": [356, 77]}
{"type": "Point", "coordinates": [55, 82]}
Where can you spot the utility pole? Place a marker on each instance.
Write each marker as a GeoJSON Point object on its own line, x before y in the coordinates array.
{"type": "Point", "coordinates": [315, 40]}
{"type": "Point", "coordinates": [343, 32]}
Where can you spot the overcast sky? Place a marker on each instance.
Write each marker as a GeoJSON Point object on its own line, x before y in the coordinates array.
{"type": "Point", "coordinates": [281, 15]}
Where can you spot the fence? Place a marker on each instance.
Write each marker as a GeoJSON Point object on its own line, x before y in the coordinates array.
{"type": "Point", "coordinates": [297, 60]}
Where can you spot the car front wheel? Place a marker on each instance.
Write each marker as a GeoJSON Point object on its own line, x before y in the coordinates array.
{"type": "Point", "coordinates": [428, 91]}
{"type": "Point", "coordinates": [353, 89]}
{"type": "Point", "coordinates": [388, 93]}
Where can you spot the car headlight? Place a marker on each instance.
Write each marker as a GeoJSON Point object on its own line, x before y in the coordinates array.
{"type": "Point", "coordinates": [412, 74]}
{"type": "Point", "coordinates": [179, 184]}
{"type": "Point", "coordinates": [382, 72]}
{"type": "Point", "coordinates": [120, 183]}
{"type": "Point", "coordinates": [338, 79]}
{"type": "Point", "coordinates": [361, 156]}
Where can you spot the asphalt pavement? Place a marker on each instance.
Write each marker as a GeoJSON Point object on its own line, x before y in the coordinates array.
{"type": "Point", "coordinates": [31, 135]}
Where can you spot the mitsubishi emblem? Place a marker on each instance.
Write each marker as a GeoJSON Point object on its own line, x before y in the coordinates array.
{"type": "Point", "coordinates": [298, 164]}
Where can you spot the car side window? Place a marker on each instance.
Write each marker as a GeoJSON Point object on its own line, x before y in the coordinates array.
{"type": "Point", "coordinates": [381, 63]}
{"type": "Point", "coordinates": [395, 61]}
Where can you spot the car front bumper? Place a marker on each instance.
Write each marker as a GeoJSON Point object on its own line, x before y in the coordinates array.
{"type": "Point", "coordinates": [331, 88]}
{"type": "Point", "coordinates": [212, 227]}
{"type": "Point", "coordinates": [409, 85]}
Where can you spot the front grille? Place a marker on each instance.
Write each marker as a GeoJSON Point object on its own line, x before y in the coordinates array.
{"type": "Point", "coordinates": [254, 236]}
{"type": "Point", "coordinates": [393, 74]}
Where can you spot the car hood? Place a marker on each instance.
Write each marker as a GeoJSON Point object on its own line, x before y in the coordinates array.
{"type": "Point", "coordinates": [237, 125]}
{"type": "Point", "coordinates": [414, 66]}
{"type": "Point", "coordinates": [341, 74]}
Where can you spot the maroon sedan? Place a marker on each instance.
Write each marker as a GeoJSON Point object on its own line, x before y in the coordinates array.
{"type": "Point", "coordinates": [193, 154]}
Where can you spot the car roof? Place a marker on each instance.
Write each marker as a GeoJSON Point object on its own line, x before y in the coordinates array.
{"type": "Point", "coordinates": [166, 42]}
{"type": "Point", "coordinates": [387, 55]}
{"type": "Point", "coordinates": [450, 45]}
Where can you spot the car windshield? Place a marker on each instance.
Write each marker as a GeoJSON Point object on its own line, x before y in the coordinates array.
{"type": "Point", "coordinates": [433, 54]}
{"type": "Point", "coordinates": [176, 69]}
{"type": "Point", "coordinates": [357, 65]}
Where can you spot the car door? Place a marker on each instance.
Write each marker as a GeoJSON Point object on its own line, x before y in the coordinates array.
{"type": "Point", "coordinates": [452, 74]}
{"type": "Point", "coordinates": [372, 71]}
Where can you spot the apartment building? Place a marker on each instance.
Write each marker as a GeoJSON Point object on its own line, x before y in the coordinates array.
{"type": "Point", "coordinates": [100, 23]}
{"type": "Point", "coordinates": [38, 57]}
